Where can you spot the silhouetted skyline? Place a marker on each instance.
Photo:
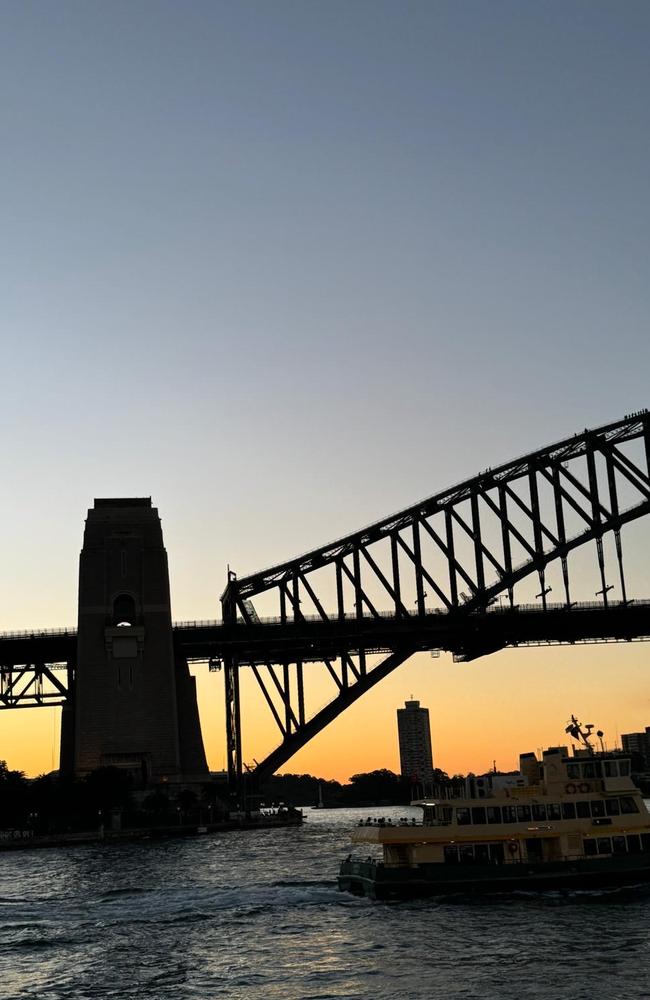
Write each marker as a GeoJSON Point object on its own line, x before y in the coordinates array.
{"type": "Point", "coordinates": [288, 267]}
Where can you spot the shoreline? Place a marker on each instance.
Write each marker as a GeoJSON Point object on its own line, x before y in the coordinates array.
{"type": "Point", "coordinates": [23, 843]}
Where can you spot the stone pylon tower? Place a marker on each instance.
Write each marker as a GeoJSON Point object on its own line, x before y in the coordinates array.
{"type": "Point", "coordinates": [135, 701]}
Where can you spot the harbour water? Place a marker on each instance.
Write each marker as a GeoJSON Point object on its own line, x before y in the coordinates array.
{"type": "Point", "coordinates": [258, 915]}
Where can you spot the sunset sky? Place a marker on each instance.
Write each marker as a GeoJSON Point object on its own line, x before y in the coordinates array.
{"type": "Point", "coordinates": [287, 267]}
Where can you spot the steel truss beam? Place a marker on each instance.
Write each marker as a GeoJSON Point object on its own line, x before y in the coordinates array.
{"type": "Point", "coordinates": [30, 685]}
{"type": "Point", "coordinates": [489, 535]}
{"type": "Point", "coordinates": [296, 738]}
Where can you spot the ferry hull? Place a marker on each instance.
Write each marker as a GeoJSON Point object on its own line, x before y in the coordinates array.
{"type": "Point", "coordinates": [374, 879]}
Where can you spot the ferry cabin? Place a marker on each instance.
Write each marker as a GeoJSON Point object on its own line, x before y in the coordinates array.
{"type": "Point", "coordinates": [560, 809]}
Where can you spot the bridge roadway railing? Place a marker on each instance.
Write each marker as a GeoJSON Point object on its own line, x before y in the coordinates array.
{"type": "Point", "coordinates": [310, 637]}
{"type": "Point", "coordinates": [29, 659]}
{"type": "Point", "coordinates": [466, 635]}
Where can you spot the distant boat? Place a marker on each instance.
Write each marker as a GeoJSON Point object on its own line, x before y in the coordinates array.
{"type": "Point", "coordinates": [320, 804]}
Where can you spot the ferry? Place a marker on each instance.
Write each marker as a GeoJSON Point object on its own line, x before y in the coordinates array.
{"type": "Point", "coordinates": [568, 821]}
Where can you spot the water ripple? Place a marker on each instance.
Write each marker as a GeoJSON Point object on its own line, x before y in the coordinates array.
{"type": "Point", "coordinates": [257, 917]}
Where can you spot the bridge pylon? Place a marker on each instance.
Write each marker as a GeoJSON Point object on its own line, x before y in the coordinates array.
{"type": "Point", "coordinates": [134, 699]}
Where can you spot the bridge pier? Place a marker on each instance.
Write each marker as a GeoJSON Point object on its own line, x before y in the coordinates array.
{"type": "Point", "coordinates": [134, 699]}
{"type": "Point", "coordinates": [66, 753]}
{"type": "Point", "coordinates": [231, 685]}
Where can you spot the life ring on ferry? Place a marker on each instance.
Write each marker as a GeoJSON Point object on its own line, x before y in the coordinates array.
{"type": "Point", "coordinates": [570, 789]}
{"type": "Point", "coordinates": [513, 848]}
{"type": "Point", "coordinates": [584, 787]}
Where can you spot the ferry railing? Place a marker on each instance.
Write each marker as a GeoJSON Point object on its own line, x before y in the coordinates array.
{"type": "Point", "coordinates": [382, 824]}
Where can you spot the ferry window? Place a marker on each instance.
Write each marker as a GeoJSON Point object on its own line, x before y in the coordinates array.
{"type": "Point", "coordinates": [553, 811]}
{"type": "Point", "coordinates": [539, 812]}
{"type": "Point", "coordinates": [451, 854]}
{"type": "Point", "coordinates": [462, 816]}
{"type": "Point", "coordinates": [478, 814]}
{"type": "Point", "coordinates": [523, 814]}
{"type": "Point", "coordinates": [611, 771]}
{"type": "Point", "coordinates": [590, 847]}
{"type": "Point", "coordinates": [624, 768]}
{"type": "Point", "coordinates": [482, 853]}
{"type": "Point", "coordinates": [590, 770]}
{"type": "Point", "coordinates": [446, 812]}
{"type": "Point", "coordinates": [613, 808]}
{"type": "Point", "coordinates": [633, 843]}
{"type": "Point", "coordinates": [604, 845]}
{"type": "Point", "coordinates": [628, 805]}
{"type": "Point", "coordinates": [496, 854]}
{"type": "Point", "coordinates": [645, 842]}
{"type": "Point", "coordinates": [597, 807]}
{"type": "Point", "coordinates": [466, 853]}
{"type": "Point", "coordinates": [509, 814]}
{"type": "Point", "coordinates": [582, 810]}
{"type": "Point", "coordinates": [568, 810]}
{"type": "Point", "coordinates": [618, 845]}
{"type": "Point", "coordinates": [573, 770]}
{"type": "Point", "coordinates": [493, 814]}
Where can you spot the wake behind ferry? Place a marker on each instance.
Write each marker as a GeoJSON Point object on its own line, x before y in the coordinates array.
{"type": "Point", "coordinates": [570, 821]}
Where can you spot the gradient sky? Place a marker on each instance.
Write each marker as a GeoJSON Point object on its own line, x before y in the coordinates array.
{"type": "Point", "coordinates": [286, 267]}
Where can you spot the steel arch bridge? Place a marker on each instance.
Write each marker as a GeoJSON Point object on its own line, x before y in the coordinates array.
{"type": "Point", "coordinates": [444, 574]}
{"type": "Point", "coordinates": [468, 570]}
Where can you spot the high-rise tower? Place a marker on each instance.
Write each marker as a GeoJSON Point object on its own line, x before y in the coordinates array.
{"type": "Point", "coordinates": [135, 701]}
{"type": "Point", "coordinates": [415, 756]}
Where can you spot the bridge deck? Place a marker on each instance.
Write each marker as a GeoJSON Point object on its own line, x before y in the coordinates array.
{"type": "Point", "coordinates": [312, 638]}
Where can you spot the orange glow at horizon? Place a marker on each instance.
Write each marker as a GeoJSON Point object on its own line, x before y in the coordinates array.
{"type": "Point", "coordinates": [490, 709]}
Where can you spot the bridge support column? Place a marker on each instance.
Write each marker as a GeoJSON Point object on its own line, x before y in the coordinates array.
{"type": "Point", "coordinates": [135, 706]}
{"type": "Point", "coordinates": [233, 723]}
{"type": "Point", "coordinates": [233, 712]}
{"type": "Point", "coordinates": [66, 756]}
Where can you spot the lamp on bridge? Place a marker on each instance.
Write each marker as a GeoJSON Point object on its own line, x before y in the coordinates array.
{"type": "Point", "coordinates": [544, 591]}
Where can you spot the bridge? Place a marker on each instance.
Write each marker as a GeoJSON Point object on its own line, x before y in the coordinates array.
{"type": "Point", "coordinates": [468, 571]}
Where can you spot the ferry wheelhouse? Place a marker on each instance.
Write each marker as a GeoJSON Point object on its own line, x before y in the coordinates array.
{"type": "Point", "coordinates": [567, 821]}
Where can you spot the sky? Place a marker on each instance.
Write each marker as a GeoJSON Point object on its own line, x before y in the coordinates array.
{"type": "Point", "coordinates": [287, 267]}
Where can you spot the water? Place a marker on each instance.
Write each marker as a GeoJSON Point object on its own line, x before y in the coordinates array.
{"type": "Point", "coordinates": [258, 915]}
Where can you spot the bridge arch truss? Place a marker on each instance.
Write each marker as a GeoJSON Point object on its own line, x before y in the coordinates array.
{"type": "Point", "coordinates": [445, 573]}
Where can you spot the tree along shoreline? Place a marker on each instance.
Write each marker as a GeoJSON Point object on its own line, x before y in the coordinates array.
{"type": "Point", "coordinates": [372, 788]}
{"type": "Point", "coordinates": [107, 799]}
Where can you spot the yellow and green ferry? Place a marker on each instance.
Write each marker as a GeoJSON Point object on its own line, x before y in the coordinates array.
{"type": "Point", "coordinates": [568, 821]}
